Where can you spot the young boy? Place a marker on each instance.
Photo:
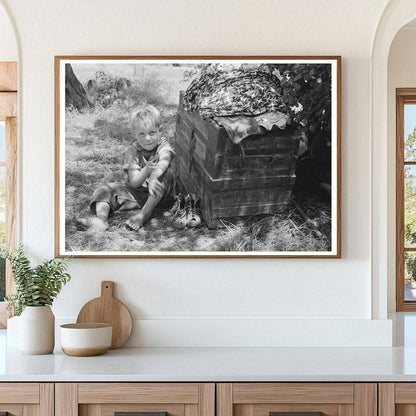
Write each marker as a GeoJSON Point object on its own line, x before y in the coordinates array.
{"type": "Point", "coordinates": [150, 180]}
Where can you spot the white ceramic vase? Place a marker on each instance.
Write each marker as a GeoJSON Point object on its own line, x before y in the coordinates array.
{"type": "Point", "coordinates": [37, 330]}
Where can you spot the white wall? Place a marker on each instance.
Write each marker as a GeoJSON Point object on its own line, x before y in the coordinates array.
{"type": "Point", "coordinates": [8, 47]}
{"type": "Point", "coordinates": [401, 74]}
{"type": "Point", "coordinates": [179, 302]}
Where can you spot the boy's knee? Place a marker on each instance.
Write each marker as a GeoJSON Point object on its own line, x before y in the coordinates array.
{"type": "Point", "coordinates": [102, 191]}
{"type": "Point", "coordinates": [101, 194]}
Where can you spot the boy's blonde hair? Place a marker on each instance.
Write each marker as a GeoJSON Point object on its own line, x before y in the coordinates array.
{"type": "Point", "coordinates": [145, 116]}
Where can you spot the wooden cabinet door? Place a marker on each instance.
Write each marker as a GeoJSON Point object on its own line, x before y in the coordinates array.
{"type": "Point", "coordinates": [397, 399]}
{"type": "Point", "coordinates": [27, 399]}
{"type": "Point", "coordinates": [153, 399]}
{"type": "Point", "coordinates": [297, 399]}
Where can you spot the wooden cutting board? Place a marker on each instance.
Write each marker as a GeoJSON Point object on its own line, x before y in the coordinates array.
{"type": "Point", "coordinates": [107, 309]}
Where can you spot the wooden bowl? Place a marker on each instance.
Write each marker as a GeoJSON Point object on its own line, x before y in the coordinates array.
{"type": "Point", "coordinates": [84, 340]}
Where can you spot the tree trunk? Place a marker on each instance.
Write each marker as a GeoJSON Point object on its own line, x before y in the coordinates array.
{"type": "Point", "coordinates": [75, 93]}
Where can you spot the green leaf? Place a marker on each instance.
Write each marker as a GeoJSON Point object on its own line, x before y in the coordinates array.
{"type": "Point", "coordinates": [35, 286]}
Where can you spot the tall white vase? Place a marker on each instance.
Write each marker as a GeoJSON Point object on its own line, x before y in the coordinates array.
{"type": "Point", "coordinates": [37, 330]}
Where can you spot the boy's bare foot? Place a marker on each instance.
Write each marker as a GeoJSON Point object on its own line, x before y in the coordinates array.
{"type": "Point", "coordinates": [136, 221]}
{"type": "Point", "coordinates": [93, 224]}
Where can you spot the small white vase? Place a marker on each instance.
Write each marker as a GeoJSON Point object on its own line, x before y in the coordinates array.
{"type": "Point", "coordinates": [37, 330]}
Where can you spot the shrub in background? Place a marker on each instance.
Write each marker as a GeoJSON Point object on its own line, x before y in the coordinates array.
{"type": "Point", "coordinates": [106, 90]}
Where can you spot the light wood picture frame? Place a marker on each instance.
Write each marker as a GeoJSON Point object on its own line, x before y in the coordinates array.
{"type": "Point", "coordinates": [243, 158]}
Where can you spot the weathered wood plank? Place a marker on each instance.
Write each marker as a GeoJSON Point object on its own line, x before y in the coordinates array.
{"type": "Point", "coordinates": [206, 141]}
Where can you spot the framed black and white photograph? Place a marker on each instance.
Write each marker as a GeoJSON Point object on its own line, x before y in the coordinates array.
{"type": "Point", "coordinates": [197, 156]}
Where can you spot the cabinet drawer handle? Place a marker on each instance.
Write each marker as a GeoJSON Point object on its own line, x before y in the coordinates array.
{"type": "Point", "coordinates": [138, 414]}
{"type": "Point", "coordinates": [296, 414]}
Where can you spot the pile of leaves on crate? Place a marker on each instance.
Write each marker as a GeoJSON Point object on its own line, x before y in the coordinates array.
{"type": "Point", "coordinates": [300, 91]}
{"type": "Point", "coordinates": [248, 99]}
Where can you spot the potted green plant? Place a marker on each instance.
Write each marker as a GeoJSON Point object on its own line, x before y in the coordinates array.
{"type": "Point", "coordinates": [36, 289]}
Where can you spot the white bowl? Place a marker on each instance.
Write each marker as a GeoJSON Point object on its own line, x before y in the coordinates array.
{"type": "Point", "coordinates": [83, 340]}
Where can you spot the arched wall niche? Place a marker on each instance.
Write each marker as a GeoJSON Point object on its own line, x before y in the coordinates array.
{"type": "Point", "coordinates": [9, 50]}
{"type": "Point", "coordinates": [401, 74]}
{"type": "Point", "coordinates": [396, 14]}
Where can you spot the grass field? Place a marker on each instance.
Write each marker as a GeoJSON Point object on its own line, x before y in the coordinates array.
{"type": "Point", "coordinates": [94, 147]}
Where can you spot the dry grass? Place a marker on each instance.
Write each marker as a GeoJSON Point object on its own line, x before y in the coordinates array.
{"type": "Point", "coordinates": [281, 232]}
{"type": "Point", "coordinates": [94, 156]}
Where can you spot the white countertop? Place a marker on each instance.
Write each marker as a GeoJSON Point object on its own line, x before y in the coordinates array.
{"type": "Point", "coordinates": [213, 364]}
{"type": "Point", "coordinates": [222, 364]}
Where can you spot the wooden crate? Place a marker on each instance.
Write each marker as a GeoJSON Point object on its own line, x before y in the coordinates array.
{"type": "Point", "coordinates": [232, 180]}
